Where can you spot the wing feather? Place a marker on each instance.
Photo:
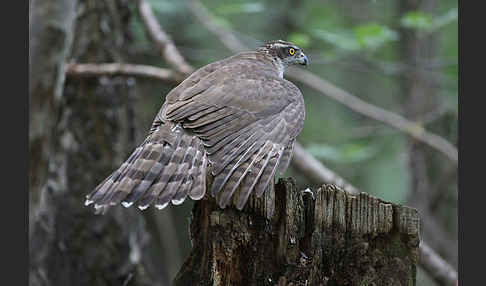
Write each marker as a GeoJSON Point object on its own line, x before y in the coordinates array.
{"type": "Point", "coordinates": [247, 118]}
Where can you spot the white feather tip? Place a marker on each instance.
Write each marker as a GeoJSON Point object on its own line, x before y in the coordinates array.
{"type": "Point", "coordinates": [127, 204]}
{"type": "Point", "coordinates": [162, 206]}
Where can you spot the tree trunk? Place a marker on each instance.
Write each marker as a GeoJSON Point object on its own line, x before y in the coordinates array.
{"type": "Point", "coordinates": [51, 25]}
{"type": "Point", "coordinates": [326, 238]}
{"type": "Point", "coordinates": [88, 133]}
{"type": "Point", "coordinates": [417, 49]}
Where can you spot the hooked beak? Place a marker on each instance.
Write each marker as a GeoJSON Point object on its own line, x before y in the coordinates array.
{"type": "Point", "coordinates": [302, 60]}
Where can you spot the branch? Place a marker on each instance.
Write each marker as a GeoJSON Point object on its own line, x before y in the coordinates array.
{"type": "Point", "coordinates": [394, 120]}
{"type": "Point", "coordinates": [432, 263]}
{"type": "Point", "coordinates": [89, 70]}
{"type": "Point", "coordinates": [440, 270]}
{"type": "Point", "coordinates": [326, 88]}
{"type": "Point", "coordinates": [162, 40]}
{"type": "Point", "coordinates": [225, 36]}
{"type": "Point", "coordinates": [306, 164]}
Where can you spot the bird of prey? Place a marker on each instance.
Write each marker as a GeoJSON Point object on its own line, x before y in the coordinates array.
{"type": "Point", "coordinates": [236, 118]}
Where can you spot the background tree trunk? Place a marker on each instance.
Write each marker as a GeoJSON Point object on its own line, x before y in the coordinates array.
{"type": "Point", "coordinates": [51, 28]}
{"type": "Point", "coordinates": [421, 98]}
{"type": "Point", "coordinates": [83, 131]}
{"type": "Point", "coordinates": [326, 238]}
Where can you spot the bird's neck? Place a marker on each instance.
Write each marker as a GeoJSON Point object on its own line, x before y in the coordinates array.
{"type": "Point", "coordinates": [271, 59]}
{"type": "Point", "coordinates": [274, 60]}
{"type": "Point", "coordinates": [280, 66]}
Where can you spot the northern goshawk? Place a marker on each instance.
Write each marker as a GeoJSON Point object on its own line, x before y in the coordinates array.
{"type": "Point", "coordinates": [237, 118]}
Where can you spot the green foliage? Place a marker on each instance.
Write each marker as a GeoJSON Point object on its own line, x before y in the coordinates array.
{"type": "Point", "coordinates": [373, 36]}
{"type": "Point", "coordinates": [236, 8]}
{"type": "Point", "coordinates": [364, 37]}
{"type": "Point", "coordinates": [417, 20]}
{"type": "Point", "coordinates": [343, 40]}
{"type": "Point", "coordinates": [420, 20]}
{"type": "Point", "coordinates": [300, 39]}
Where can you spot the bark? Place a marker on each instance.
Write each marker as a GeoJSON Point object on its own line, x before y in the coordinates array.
{"type": "Point", "coordinates": [90, 132]}
{"type": "Point", "coordinates": [327, 238]}
{"type": "Point", "coordinates": [51, 25]}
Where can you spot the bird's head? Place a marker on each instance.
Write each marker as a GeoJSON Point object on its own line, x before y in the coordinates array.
{"type": "Point", "coordinates": [288, 53]}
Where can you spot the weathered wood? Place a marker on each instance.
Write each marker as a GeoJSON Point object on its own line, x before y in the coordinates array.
{"type": "Point", "coordinates": [326, 238]}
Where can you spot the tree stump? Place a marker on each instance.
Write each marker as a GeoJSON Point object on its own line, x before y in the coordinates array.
{"type": "Point", "coordinates": [324, 238]}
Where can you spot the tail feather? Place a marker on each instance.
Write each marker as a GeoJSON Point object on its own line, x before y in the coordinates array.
{"type": "Point", "coordinates": [138, 171]}
{"type": "Point", "coordinates": [180, 175]}
{"type": "Point", "coordinates": [147, 196]}
{"type": "Point", "coordinates": [104, 189]}
{"type": "Point", "coordinates": [167, 175]}
{"type": "Point", "coordinates": [158, 171]}
{"type": "Point", "coordinates": [160, 182]}
{"type": "Point", "coordinates": [154, 158]}
{"type": "Point", "coordinates": [187, 181]}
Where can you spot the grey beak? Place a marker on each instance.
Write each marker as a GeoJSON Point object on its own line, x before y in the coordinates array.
{"type": "Point", "coordinates": [303, 59]}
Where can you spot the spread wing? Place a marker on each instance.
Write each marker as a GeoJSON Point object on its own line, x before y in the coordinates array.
{"type": "Point", "coordinates": [247, 118]}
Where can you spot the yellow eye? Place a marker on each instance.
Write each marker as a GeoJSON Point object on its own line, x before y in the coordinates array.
{"type": "Point", "coordinates": [291, 51]}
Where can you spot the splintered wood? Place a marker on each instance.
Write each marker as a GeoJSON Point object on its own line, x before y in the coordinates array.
{"type": "Point", "coordinates": [359, 214]}
{"type": "Point", "coordinates": [325, 237]}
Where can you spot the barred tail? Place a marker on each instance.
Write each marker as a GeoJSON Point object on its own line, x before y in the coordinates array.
{"type": "Point", "coordinates": [167, 167]}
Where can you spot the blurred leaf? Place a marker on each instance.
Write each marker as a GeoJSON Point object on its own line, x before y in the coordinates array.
{"type": "Point", "coordinates": [342, 40]}
{"type": "Point", "coordinates": [372, 36]}
{"type": "Point", "coordinates": [237, 8]}
{"type": "Point", "coordinates": [346, 153]}
{"type": "Point", "coordinates": [300, 39]}
{"type": "Point", "coordinates": [417, 20]}
{"type": "Point", "coordinates": [423, 21]}
{"type": "Point", "coordinates": [369, 36]}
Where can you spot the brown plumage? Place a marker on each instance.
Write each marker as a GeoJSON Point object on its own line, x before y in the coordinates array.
{"type": "Point", "coordinates": [237, 117]}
